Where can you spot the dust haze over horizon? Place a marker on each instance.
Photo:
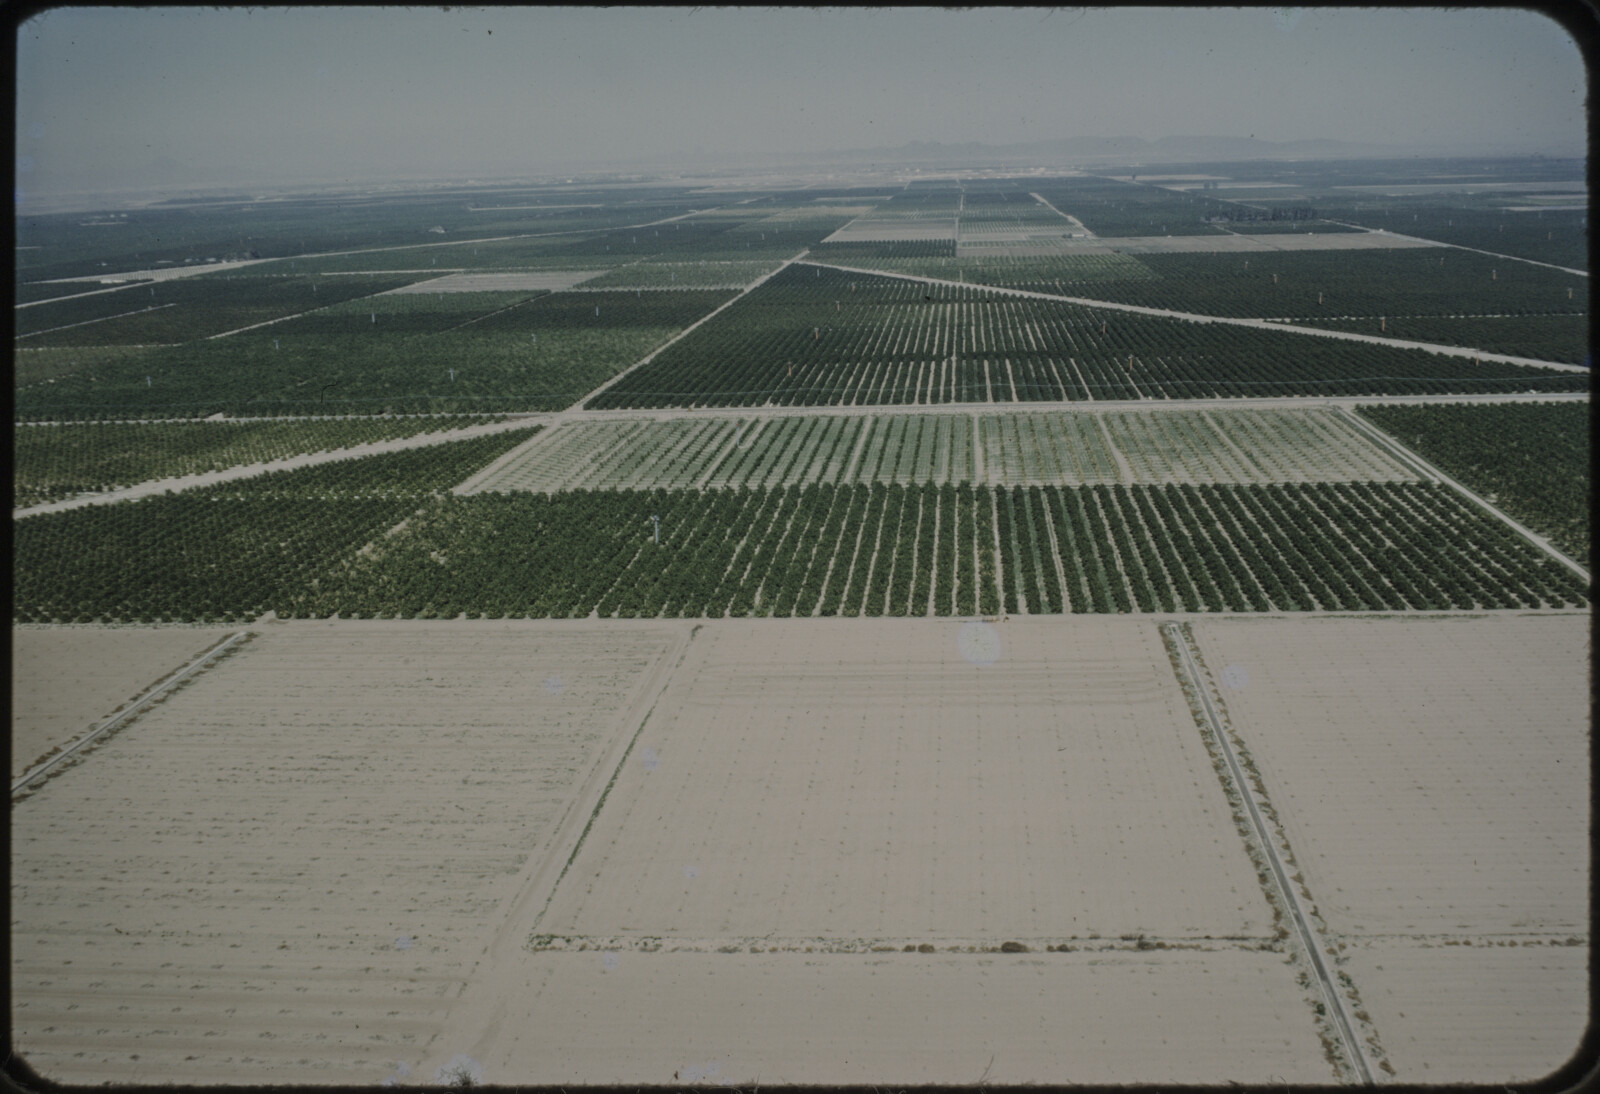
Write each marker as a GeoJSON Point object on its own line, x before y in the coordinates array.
{"type": "Point", "coordinates": [113, 99]}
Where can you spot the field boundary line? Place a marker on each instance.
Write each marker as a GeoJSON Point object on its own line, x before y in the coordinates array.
{"type": "Point", "coordinates": [180, 483]}
{"type": "Point", "coordinates": [1463, 247]}
{"type": "Point", "coordinates": [739, 945]}
{"type": "Point", "coordinates": [77, 295]}
{"type": "Point", "coordinates": [1119, 458]}
{"type": "Point", "coordinates": [473, 1010]}
{"type": "Point", "coordinates": [242, 419]}
{"type": "Point", "coordinates": [1064, 216]}
{"type": "Point", "coordinates": [1429, 471]}
{"type": "Point", "coordinates": [190, 271]}
{"type": "Point", "coordinates": [1335, 1002]}
{"type": "Point", "coordinates": [102, 319]}
{"type": "Point", "coordinates": [583, 403]}
{"type": "Point", "coordinates": [978, 407]}
{"type": "Point", "coordinates": [1226, 320]}
{"type": "Point", "coordinates": [472, 483]}
{"type": "Point", "coordinates": [151, 695]}
{"type": "Point", "coordinates": [296, 315]}
{"type": "Point", "coordinates": [465, 242]}
{"type": "Point", "coordinates": [655, 691]}
{"type": "Point", "coordinates": [982, 407]}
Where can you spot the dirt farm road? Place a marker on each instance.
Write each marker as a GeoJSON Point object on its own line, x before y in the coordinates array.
{"type": "Point", "coordinates": [1428, 470]}
{"type": "Point", "coordinates": [247, 471]}
{"type": "Point", "coordinates": [1259, 324]}
{"type": "Point", "coordinates": [1474, 250]}
{"type": "Point", "coordinates": [1308, 935]}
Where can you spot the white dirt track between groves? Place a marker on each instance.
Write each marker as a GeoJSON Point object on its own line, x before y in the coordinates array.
{"type": "Point", "coordinates": [252, 470]}
{"type": "Point", "coordinates": [1195, 317]}
{"type": "Point", "coordinates": [1428, 470]}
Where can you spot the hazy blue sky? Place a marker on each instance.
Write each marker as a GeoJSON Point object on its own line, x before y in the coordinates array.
{"type": "Point", "coordinates": [111, 97]}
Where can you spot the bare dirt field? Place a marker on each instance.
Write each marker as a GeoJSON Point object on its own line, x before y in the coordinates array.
{"type": "Point", "coordinates": [529, 281]}
{"type": "Point", "coordinates": [808, 796]}
{"type": "Point", "coordinates": [1431, 779]}
{"type": "Point", "coordinates": [794, 851]}
{"type": "Point", "coordinates": [775, 1018]}
{"type": "Point", "coordinates": [1057, 793]}
{"type": "Point", "coordinates": [285, 872]}
{"type": "Point", "coordinates": [66, 680]}
{"type": "Point", "coordinates": [884, 230]}
{"type": "Point", "coordinates": [1469, 1013]}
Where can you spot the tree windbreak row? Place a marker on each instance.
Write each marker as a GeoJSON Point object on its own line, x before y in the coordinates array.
{"type": "Point", "coordinates": [329, 545]}
{"type": "Point", "coordinates": [818, 336]}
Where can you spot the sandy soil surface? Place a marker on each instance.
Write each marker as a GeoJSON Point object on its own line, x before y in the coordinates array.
{"type": "Point", "coordinates": [858, 231]}
{"type": "Point", "coordinates": [1474, 1013]}
{"type": "Point", "coordinates": [293, 868]}
{"type": "Point", "coordinates": [735, 1019]}
{"type": "Point", "coordinates": [807, 795]}
{"type": "Point", "coordinates": [285, 872]}
{"type": "Point", "coordinates": [1431, 777]}
{"type": "Point", "coordinates": [66, 680]}
{"type": "Point", "coordinates": [584, 851]}
{"type": "Point", "coordinates": [1459, 746]}
{"type": "Point", "coordinates": [1058, 792]}
{"type": "Point", "coordinates": [529, 281]}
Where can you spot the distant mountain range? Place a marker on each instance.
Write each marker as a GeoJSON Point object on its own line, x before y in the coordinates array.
{"type": "Point", "coordinates": [1129, 150]}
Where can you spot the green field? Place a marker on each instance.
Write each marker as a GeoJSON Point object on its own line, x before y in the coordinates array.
{"type": "Point", "coordinates": [819, 336]}
{"type": "Point", "coordinates": [61, 461]}
{"type": "Point", "coordinates": [417, 353]}
{"type": "Point", "coordinates": [1003, 503]}
{"type": "Point", "coordinates": [231, 551]}
{"type": "Point", "coordinates": [1530, 459]}
{"type": "Point", "coordinates": [312, 544]}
